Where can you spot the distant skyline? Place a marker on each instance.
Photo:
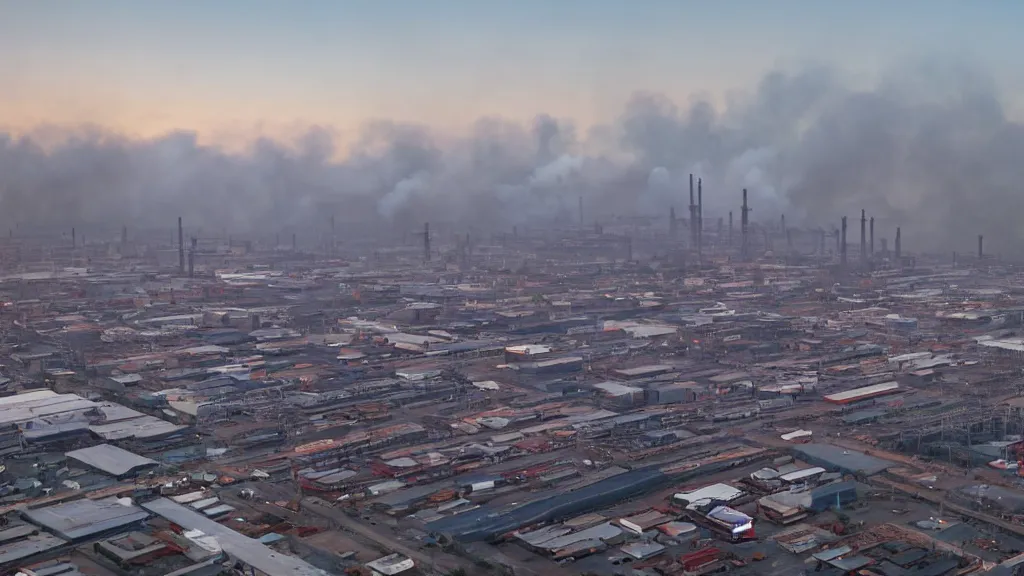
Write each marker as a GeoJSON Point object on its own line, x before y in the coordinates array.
{"type": "Point", "coordinates": [232, 69]}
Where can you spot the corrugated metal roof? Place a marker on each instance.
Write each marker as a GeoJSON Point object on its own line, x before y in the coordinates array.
{"type": "Point", "coordinates": [245, 549]}
{"type": "Point", "coordinates": [82, 518]}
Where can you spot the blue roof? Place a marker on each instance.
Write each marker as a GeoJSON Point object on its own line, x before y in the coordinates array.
{"type": "Point", "coordinates": [487, 522]}
{"type": "Point", "coordinates": [836, 458]}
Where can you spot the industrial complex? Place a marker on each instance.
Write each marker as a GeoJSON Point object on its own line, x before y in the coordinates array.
{"type": "Point", "coordinates": [634, 397]}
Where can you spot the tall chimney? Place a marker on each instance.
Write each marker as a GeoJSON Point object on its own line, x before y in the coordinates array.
{"type": "Point", "coordinates": [700, 211]}
{"type": "Point", "coordinates": [426, 241]}
{"type": "Point", "coordinates": [981, 246]}
{"type": "Point", "coordinates": [898, 246]}
{"type": "Point", "coordinates": [181, 247]}
{"type": "Point", "coordinates": [744, 221]}
{"type": "Point", "coordinates": [124, 235]}
{"type": "Point", "coordinates": [74, 244]}
{"type": "Point", "coordinates": [863, 236]}
{"type": "Point", "coordinates": [842, 244]}
{"type": "Point", "coordinates": [730, 228]}
{"type": "Point", "coordinates": [700, 219]}
{"type": "Point", "coordinates": [672, 221]}
{"type": "Point", "coordinates": [693, 217]}
{"type": "Point", "coordinates": [872, 227]}
{"type": "Point", "coordinates": [782, 224]}
{"type": "Point", "coordinates": [192, 263]}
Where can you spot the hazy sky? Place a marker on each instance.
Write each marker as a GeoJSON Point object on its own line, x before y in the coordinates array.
{"type": "Point", "coordinates": [237, 66]}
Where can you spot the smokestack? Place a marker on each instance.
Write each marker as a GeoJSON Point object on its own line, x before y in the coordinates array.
{"type": "Point", "coordinates": [693, 217]}
{"type": "Point", "coordinates": [672, 221]}
{"type": "Point", "coordinates": [192, 263]}
{"type": "Point", "coordinates": [863, 236]}
{"type": "Point", "coordinates": [898, 246]}
{"type": "Point", "coordinates": [782, 224]}
{"type": "Point", "coordinates": [124, 235]}
{"type": "Point", "coordinates": [744, 221]}
{"type": "Point", "coordinates": [842, 244]}
{"type": "Point", "coordinates": [74, 244]}
{"type": "Point", "coordinates": [700, 211]}
{"type": "Point", "coordinates": [872, 225]}
{"type": "Point", "coordinates": [426, 241]}
{"type": "Point", "coordinates": [730, 228]}
{"type": "Point", "coordinates": [700, 219]}
{"type": "Point", "coordinates": [981, 246]}
{"type": "Point", "coordinates": [181, 247]}
{"type": "Point", "coordinates": [581, 210]}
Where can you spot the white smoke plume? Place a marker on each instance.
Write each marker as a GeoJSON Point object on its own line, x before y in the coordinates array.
{"type": "Point", "coordinates": [929, 148]}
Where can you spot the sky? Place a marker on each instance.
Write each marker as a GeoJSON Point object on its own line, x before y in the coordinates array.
{"type": "Point", "coordinates": [230, 69]}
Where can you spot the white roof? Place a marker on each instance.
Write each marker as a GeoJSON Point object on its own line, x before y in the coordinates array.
{"type": "Point", "coordinates": [24, 407]}
{"type": "Point", "coordinates": [27, 397]}
{"type": "Point", "coordinates": [486, 385]}
{"type": "Point", "coordinates": [801, 474]}
{"type": "Point", "coordinates": [722, 492]}
{"type": "Point", "coordinates": [1015, 344]}
{"type": "Point", "coordinates": [796, 434]}
{"type": "Point", "coordinates": [528, 349]}
{"type": "Point", "coordinates": [865, 391]}
{"type": "Point", "coordinates": [392, 564]}
{"type": "Point", "coordinates": [249, 551]}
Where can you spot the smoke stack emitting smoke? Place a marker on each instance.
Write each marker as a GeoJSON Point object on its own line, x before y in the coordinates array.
{"type": "Point", "coordinates": [803, 143]}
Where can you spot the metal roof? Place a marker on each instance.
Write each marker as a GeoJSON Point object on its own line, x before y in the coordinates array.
{"type": "Point", "coordinates": [30, 546]}
{"type": "Point", "coordinates": [111, 459]}
{"type": "Point", "coordinates": [243, 548]}
{"type": "Point", "coordinates": [836, 458]}
{"type": "Point", "coordinates": [83, 518]}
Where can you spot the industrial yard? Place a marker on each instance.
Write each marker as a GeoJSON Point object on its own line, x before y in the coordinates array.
{"type": "Point", "coordinates": [634, 397]}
